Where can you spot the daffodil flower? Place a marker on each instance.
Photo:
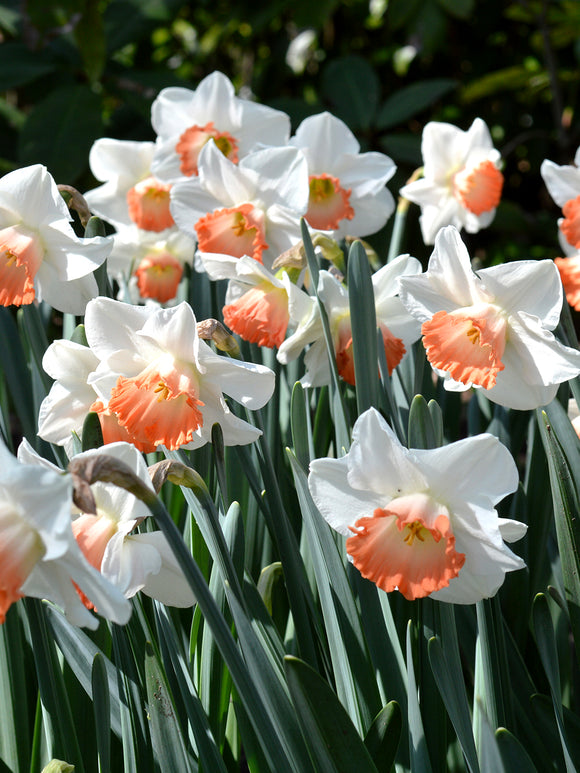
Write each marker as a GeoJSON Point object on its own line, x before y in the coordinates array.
{"type": "Point", "coordinates": [39, 556]}
{"type": "Point", "coordinates": [130, 193]}
{"type": "Point", "coordinates": [563, 184]}
{"type": "Point", "coordinates": [186, 120]}
{"type": "Point", "coordinates": [260, 306]}
{"type": "Point", "coordinates": [491, 329]}
{"type": "Point", "coordinates": [422, 522]}
{"type": "Point", "coordinates": [347, 187]}
{"type": "Point", "coordinates": [399, 329]}
{"type": "Point", "coordinates": [41, 258]}
{"type": "Point", "coordinates": [461, 183]}
{"type": "Point", "coordinates": [151, 263]}
{"type": "Point", "coordinates": [108, 538]}
{"type": "Point", "coordinates": [163, 384]}
{"type": "Point", "coordinates": [252, 208]}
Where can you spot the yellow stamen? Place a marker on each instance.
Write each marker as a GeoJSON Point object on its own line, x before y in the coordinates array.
{"type": "Point", "coordinates": [415, 530]}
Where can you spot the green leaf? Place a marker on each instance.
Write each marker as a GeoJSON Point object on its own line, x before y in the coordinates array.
{"type": "Point", "coordinates": [417, 742]}
{"type": "Point", "coordinates": [16, 374]}
{"type": "Point", "coordinates": [301, 437]}
{"type": "Point", "coordinates": [60, 131]}
{"type": "Point", "coordinates": [384, 735]}
{"type": "Point", "coordinates": [405, 103]}
{"type": "Point", "coordinates": [265, 670]}
{"type": "Point", "coordinates": [404, 148]}
{"type": "Point", "coordinates": [513, 754]}
{"type": "Point", "coordinates": [166, 735]}
{"type": "Point", "coordinates": [462, 9]}
{"type": "Point", "coordinates": [20, 65]}
{"type": "Point", "coordinates": [90, 38]}
{"type": "Point", "coordinates": [422, 433]}
{"type": "Point", "coordinates": [15, 737]}
{"type": "Point", "coordinates": [92, 434]}
{"type": "Point", "coordinates": [332, 739]}
{"type": "Point", "coordinates": [80, 652]}
{"type": "Point", "coordinates": [494, 670]}
{"type": "Point", "coordinates": [102, 709]}
{"type": "Point", "coordinates": [339, 411]}
{"type": "Point", "coordinates": [353, 671]}
{"type": "Point", "coordinates": [562, 449]}
{"type": "Point", "coordinates": [546, 642]}
{"type": "Point", "coordinates": [352, 86]}
{"type": "Point", "coordinates": [452, 689]}
{"type": "Point", "coordinates": [364, 328]}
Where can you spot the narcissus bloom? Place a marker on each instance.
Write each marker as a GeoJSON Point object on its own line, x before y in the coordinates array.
{"type": "Point", "coordinates": [563, 183]}
{"type": "Point", "coordinates": [186, 120]}
{"type": "Point", "coordinates": [163, 383]}
{"type": "Point", "coordinates": [38, 553]}
{"type": "Point", "coordinates": [491, 329]}
{"type": "Point", "coordinates": [130, 194]}
{"type": "Point", "coordinates": [260, 306]}
{"type": "Point", "coordinates": [131, 561]}
{"type": "Point", "coordinates": [151, 264]}
{"type": "Point", "coordinates": [421, 521]}
{"type": "Point", "coordinates": [252, 208]}
{"type": "Point", "coordinates": [347, 187]}
{"type": "Point", "coordinates": [461, 182]}
{"type": "Point", "coordinates": [41, 258]}
{"type": "Point", "coordinates": [398, 327]}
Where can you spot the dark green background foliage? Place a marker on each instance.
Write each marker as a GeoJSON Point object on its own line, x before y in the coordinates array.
{"type": "Point", "coordinates": [73, 71]}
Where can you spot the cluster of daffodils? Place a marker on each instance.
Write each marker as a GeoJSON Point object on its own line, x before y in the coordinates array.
{"type": "Point", "coordinates": [222, 190]}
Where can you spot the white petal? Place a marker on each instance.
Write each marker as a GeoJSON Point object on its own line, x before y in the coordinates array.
{"type": "Point", "coordinates": [563, 182]}
{"type": "Point", "coordinates": [378, 462]}
{"type": "Point", "coordinates": [477, 469]}
{"type": "Point", "coordinates": [340, 505]}
{"type": "Point", "coordinates": [531, 286]}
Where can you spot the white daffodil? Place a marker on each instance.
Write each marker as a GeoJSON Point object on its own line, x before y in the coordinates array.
{"type": "Point", "coordinates": [491, 329]}
{"type": "Point", "coordinates": [252, 208]}
{"type": "Point", "coordinates": [260, 306]}
{"type": "Point", "coordinates": [461, 182]}
{"type": "Point", "coordinates": [151, 262]}
{"type": "Point", "coordinates": [131, 561]}
{"type": "Point", "coordinates": [563, 184]}
{"type": "Point", "coordinates": [421, 521]}
{"type": "Point", "coordinates": [41, 258]}
{"type": "Point", "coordinates": [38, 553]}
{"type": "Point", "coordinates": [162, 383]}
{"type": "Point", "coordinates": [347, 187]}
{"type": "Point", "coordinates": [130, 194]}
{"type": "Point", "coordinates": [398, 327]}
{"type": "Point", "coordinates": [185, 120]}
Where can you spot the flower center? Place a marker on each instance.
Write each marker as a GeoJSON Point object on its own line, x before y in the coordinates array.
{"type": "Point", "coordinates": [570, 226]}
{"type": "Point", "coordinates": [478, 188]}
{"type": "Point", "coordinates": [158, 276]}
{"type": "Point", "coordinates": [148, 203]}
{"type": "Point", "coordinates": [160, 406]}
{"type": "Point", "coordinates": [260, 315]}
{"type": "Point", "coordinates": [407, 546]}
{"type": "Point", "coordinates": [192, 141]}
{"type": "Point", "coordinates": [467, 343]}
{"type": "Point", "coordinates": [20, 256]}
{"type": "Point", "coordinates": [20, 550]}
{"type": "Point", "coordinates": [237, 232]}
{"type": "Point", "coordinates": [328, 203]}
